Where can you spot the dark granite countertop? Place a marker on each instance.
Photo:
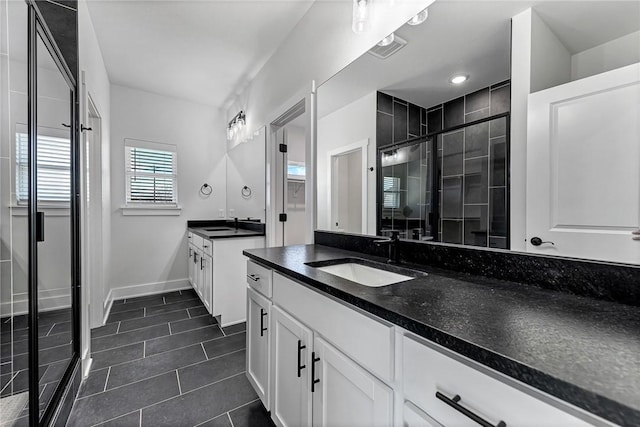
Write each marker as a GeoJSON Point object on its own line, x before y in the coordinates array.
{"type": "Point", "coordinates": [224, 234]}
{"type": "Point", "coordinates": [580, 350]}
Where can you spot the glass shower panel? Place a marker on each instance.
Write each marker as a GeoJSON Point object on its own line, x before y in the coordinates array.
{"type": "Point", "coordinates": [14, 332]}
{"type": "Point", "coordinates": [472, 174]}
{"type": "Point", "coordinates": [53, 199]}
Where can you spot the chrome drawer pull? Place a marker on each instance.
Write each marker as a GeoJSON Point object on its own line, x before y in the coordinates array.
{"type": "Point", "coordinates": [453, 402]}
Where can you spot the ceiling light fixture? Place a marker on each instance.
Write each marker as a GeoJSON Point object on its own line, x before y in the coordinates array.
{"type": "Point", "coordinates": [419, 18]}
{"type": "Point", "coordinates": [387, 40]}
{"type": "Point", "coordinates": [361, 21]}
{"type": "Point", "coordinates": [236, 124]}
{"type": "Point", "coordinates": [459, 79]}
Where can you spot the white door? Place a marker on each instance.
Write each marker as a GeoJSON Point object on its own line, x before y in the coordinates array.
{"type": "Point", "coordinates": [583, 168]}
{"type": "Point", "coordinates": [344, 393]}
{"type": "Point", "coordinates": [291, 344]}
{"type": "Point", "coordinates": [258, 333]}
{"type": "Point", "coordinates": [348, 197]}
{"type": "Point", "coordinates": [197, 273]}
{"type": "Point", "coordinates": [207, 281]}
{"type": "Point", "coordinates": [190, 264]}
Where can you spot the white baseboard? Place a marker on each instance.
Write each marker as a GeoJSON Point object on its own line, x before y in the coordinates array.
{"type": "Point", "coordinates": [108, 303]}
{"type": "Point", "coordinates": [48, 300]}
{"type": "Point", "coordinates": [132, 291]}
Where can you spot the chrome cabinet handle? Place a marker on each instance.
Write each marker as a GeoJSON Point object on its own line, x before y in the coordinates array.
{"type": "Point", "coordinates": [453, 402]}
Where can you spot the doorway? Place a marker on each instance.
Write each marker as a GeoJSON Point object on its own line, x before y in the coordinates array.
{"type": "Point", "coordinates": [347, 195]}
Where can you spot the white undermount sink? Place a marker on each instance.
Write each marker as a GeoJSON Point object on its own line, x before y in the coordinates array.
{"type": "Point", "coordinates": [363, 274]}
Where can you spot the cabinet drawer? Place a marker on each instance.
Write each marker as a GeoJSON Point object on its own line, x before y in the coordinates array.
{"type": "Point", "coordinates": [207, 247]}
{"type": "Point", "coordinates": [259, 278]}
{"type": "Point", "coordinates": [367, 341]}
{"type": "Point", "coordinates": [427, 371]}
{"type": "Point", "coordinates": [196, 241]}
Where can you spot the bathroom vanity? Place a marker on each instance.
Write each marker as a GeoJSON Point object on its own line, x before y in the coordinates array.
{"type": "Point", "coordinates": [441, 348]}
{"type": "Point", "coordinates": [216, 265]}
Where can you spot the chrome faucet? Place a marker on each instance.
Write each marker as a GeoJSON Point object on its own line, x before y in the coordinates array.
{"type": "Point", "coordinates": [393, 247]}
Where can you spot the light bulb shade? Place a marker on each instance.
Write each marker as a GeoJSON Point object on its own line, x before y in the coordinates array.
{"type": "Point", "coordinates": [459, 79]}
{"type": "Point", "coordinates": [419, 18]}
{"type": "Point", "coordinates": [361, 16]}
{"type": "Point", "coordinates": [387, 40]}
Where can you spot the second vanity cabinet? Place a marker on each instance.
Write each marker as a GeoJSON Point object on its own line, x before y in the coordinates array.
{"type": "Point", "coordinates": [329, 364]}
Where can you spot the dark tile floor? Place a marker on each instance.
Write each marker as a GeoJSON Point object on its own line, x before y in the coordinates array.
{"type": "Point", "coordinates": [162, 360]}
{"type": "Point", "coordinates": [54, 341]}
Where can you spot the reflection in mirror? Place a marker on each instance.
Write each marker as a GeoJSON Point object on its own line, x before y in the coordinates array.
{"type": "Point", "coordinates": [246, 178]}
{"type": "Point", "coordinates": [53, 198]}
{"type": "Point", "coordinates": [14, 236]}
{"type": "Point", "coordinates": [460, 164]}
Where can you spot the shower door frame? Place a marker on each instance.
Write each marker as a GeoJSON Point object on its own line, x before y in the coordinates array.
{"type": "Point", "coordinates": [37, 27]}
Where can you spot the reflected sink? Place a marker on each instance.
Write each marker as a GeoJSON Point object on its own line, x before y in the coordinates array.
{"type": "Point", "coordinates": [365, 272]}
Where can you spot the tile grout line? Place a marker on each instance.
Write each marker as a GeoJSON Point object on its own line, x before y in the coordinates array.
{"type": "Point", "coordinates": [152, 326]}
{"type": "Point", "coordinates": [179, 386]}
{"type": "Point", "coordinates": [205, 350]}
{"type": "Point", "coordinates": [229, 411]}
{"type": "Point", "coordinates": [118, 329]}
{"type": "Point", "coordinates": [230, 420]}
{"type": "Point", "coordinates": [144, 349]}
{"type": "Point", "coordinates": [106, 381]}
{"type": "Point", "coordinates": [166, 372]}
{"type": "Point", "coordinates": [140, 417]}
{"type": "Point", "coordinates": [169, 324]}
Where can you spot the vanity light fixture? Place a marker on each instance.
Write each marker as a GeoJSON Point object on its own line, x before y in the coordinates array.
{"type": "Point", "coordinates": [459, 79]}
{"type": "Point", "coordinates": [361, 21]}
{"type": "Point", "coordinates": [419, 18]}
{"type": "Point", "coordinates": [236, 124]}
{"type": "Point", "coordinates": [387, 40]}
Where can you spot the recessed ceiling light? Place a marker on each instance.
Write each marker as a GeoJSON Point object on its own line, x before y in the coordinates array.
{"type": "Point", "coordinates": [419, 18]}
{"type": "Point", "coordinates": [387, 40]}
{"type": "Point", "coordinates": [459, 79]}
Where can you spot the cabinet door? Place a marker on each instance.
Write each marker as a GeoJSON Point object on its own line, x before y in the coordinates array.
{"type": "Point", "coordinates": [290, 370]}
{"type": "Point", "coordinates": [258, 333]}
{"type": "Point", "coordinates": [206, 272]}
{"type": "Point", "coordinates": [196, 270]}
{"type": "Point", "coordinates": [190, 264]}
{"type": "Point", "coordinates": [412, 416]}
{"type": "Point", "coordinates": [344, 393]}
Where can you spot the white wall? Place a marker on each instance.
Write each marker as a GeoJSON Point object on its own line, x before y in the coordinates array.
{"type": "Point", "coordinates": [340, 129]}
{"type": "Point", "coordinates": [149, 252]}
{"type": "Point", "coordinates": [608, 56]}
{"type": "Point", "coordinates": [550, 59]}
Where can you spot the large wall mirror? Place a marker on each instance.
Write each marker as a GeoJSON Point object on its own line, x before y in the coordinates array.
{"type": "Point", "coordinates": [540, 157]}
{"type": "Point", "coordinates": [246, 178]}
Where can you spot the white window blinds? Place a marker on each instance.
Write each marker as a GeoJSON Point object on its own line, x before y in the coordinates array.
{"type": "Point", "coordinates": [151, 175]}
{"type": "Point", "coordinates": [391, 190]}
{"type": "Point", "coordinates": [54, 169]}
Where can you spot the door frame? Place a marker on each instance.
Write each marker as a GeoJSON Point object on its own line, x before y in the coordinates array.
{"type": "Point", "coordinates": [363, 146]}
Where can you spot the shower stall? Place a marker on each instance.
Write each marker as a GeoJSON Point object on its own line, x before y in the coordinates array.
{"type": "Point", "coordinates": [39, 221]}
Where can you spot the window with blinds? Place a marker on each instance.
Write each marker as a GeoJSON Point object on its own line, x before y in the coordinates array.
{"type": "Point", "coordinates": [151, 175]}
{"type": "Point", "coordinates": [54, 169]}
{"type": "Point", "coordinates": [391, 192]}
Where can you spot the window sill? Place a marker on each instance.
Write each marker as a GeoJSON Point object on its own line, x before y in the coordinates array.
{"type": "Point", "coordinates": [23, 210]}
{"type": "Point", "coordinates": [151, 210]}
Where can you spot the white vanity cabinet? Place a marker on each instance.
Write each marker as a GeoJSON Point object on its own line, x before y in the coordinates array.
{"type": "Point", "coordinates": [322, 362]}
{"type": "Point", "coordinates": [216, 272]}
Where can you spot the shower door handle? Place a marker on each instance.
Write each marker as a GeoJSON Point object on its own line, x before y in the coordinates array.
{"type": "Point", "coordinates": [39, 226]}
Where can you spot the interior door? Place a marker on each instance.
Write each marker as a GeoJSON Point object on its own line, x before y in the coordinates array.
{"type": "Point", "coordinates": [583, 174]}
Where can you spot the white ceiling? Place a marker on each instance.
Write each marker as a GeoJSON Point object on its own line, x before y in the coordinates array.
{"type": "Point", "coordinates": [203, 51]}
{"type": "Point", "coordinates": [470, 37]}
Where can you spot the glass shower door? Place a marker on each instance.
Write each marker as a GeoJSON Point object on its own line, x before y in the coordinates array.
{"type": "Point", "coordinates": [54, 228]}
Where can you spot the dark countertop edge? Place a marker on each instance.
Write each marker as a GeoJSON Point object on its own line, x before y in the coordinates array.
{"type": "Point", "coordinates": [581, 398]}
{"type": "Point", "coordinates": [246, 233]}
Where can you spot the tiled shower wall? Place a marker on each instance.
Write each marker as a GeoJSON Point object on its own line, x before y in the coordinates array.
{"type": "Point", "coordinates": [472, 162]}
